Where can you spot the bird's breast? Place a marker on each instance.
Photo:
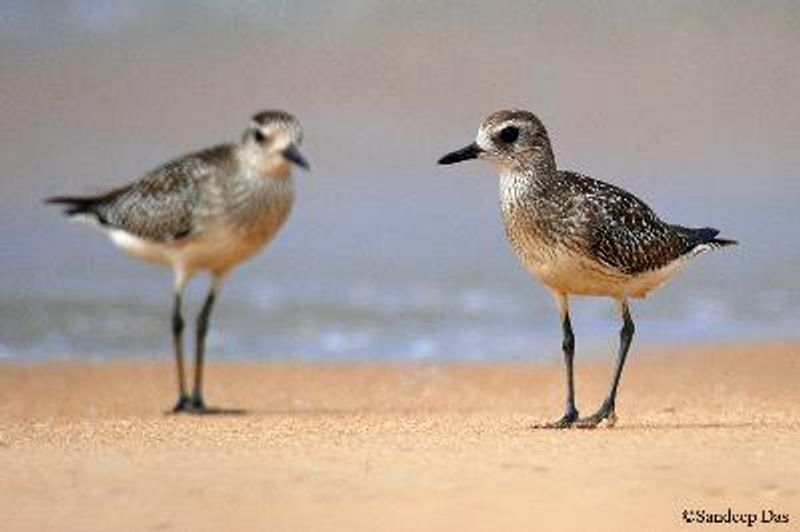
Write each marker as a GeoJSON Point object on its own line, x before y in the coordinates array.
{"type": "Point", "coordinates": [238, 221]}
{"type": "Point", "coordinates": [526, 220]}
{"type": "Point", "coordinates": [548, 241]}
{"type": "Point", "coordinates": [260, 212]}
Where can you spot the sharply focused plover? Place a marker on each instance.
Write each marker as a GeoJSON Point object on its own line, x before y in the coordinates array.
{"type": "Point", "coordinates": [578, 235]}
{"type": "Point", "coordinates": [207, 211]}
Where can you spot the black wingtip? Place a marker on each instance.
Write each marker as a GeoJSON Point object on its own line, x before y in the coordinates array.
{"type": "Point", "coordinates": [703, 236]}
{"type": "Point", "coordinates": [73, 204]}
{"type": "Point", "coordinates": [55, 200]}
{"type": "Point", "coordinates": [708, 236]}
{"type": "Point", "coordinates": [722, 242]}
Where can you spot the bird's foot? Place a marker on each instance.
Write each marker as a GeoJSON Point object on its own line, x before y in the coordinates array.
{"type": "Point", "coordinates": [566, 421]}
{"type": "Point", "coordinates": [197, 403]}
{"type": "Point", "coordinates": [606, 413]}
{"type": "Point", "coordinates": [193, 404]}
{"type": "Point", "coordinates": [182, 405]}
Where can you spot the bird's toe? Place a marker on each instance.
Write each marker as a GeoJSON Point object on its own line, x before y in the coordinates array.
{"type": "Point", "coordinates": [605, 413]}
{"type": "Point", "coordinates": [566, 421]}
{"type": "Point", "coordinates": [197, 404]}
{"type": "Point", "coordinates": [183, 405]}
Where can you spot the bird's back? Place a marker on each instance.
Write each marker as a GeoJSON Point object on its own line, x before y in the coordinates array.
{"type": "Point", "coordinates": [620, 230]}
{"type": "Point", "coordinates": [575, 231]}
{"type": "Point", "coordinates": [163, 205]}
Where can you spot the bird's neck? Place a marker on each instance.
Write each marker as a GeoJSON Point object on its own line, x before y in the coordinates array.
{"type": "Point", "coordinates": [526, 181]}
{"type": "Point", "coordinates": [536, 164]}
{"type": "Point", "coordinates": [530, 176]}
{"type": "Point", "coordinates": [258, 163]}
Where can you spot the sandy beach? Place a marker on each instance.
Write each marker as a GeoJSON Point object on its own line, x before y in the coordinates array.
{"type": "Point", "coordinates": [402, 447]}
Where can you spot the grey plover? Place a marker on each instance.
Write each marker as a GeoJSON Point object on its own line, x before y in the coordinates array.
{"type": "Point", "coordinates": [579, 236]}
{"type": "Point", "coordinates": [206, 211]}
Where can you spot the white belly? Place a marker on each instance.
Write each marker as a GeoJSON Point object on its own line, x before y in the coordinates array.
{"type": "Point", "coordinates": [572, 274]}
{"type": "Point", "coordinates": [217, 250]}
{"type": "Point", "coordinates": [568, 273]}
{"type": "Point", "coordinates": [644, 283]}
{"type": "Point", "coordinates": [139, 247]}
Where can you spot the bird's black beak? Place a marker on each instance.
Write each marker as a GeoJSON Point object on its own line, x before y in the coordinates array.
{"type": "Point", "coordinates": [464, 154]}
{"type": "Point", "coordinates": [292, 154]}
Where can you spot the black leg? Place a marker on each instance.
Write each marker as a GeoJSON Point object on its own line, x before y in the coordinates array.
{"type": "Point", "coordinates": [200, 349]}
{"type": "Point", "coordinates": [606, 410]}
{"type": "Point", "coordinates": [568, 345]}
{"type": "Point", "coordinates": [570, 412]}
{"type": "Point", "coordinates": [177, 340]}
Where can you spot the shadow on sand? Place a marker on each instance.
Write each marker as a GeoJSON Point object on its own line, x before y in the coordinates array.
{"type": "Point", "coordinates": [209, 411]}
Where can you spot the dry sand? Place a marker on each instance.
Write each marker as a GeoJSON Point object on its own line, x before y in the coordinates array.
{"type": "Point", "coordinates": [414, 447]}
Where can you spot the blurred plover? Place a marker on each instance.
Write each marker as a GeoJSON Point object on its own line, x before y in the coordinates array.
{"type": "Point", "coordinates": [206, 211]}
{"type": "Point", "coordinates": [579, 236]}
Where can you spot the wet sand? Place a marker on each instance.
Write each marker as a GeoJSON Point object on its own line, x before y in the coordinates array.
{"type": "Point", "coordinates": [402, 447]}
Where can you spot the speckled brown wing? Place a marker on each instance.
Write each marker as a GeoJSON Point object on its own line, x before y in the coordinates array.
{"type": "Point", "coordinates": [622, 231]}
{"type": "Point", "coordinates": [162, 205]}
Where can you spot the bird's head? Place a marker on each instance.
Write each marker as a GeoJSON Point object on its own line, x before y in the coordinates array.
{"type": "Point", "coordinates": [272, 143]}
{"type": "Point", "coordinates": [510, 140]}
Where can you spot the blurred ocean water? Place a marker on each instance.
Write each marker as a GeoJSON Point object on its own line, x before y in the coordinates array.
{"type": "Point", "coordinates": [387, 256]}
{"type": "Point", "coordinates": [282, 310]}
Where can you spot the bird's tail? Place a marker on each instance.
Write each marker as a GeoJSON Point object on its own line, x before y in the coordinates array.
{"type": "Point", "coordinates": [722, 242]}
{"type": "Point", "coordinates": [703, 238]}
{"type": "Point", "coordinates": [84, 207]}
{"type": "Point", "coordinates": [73, 204]}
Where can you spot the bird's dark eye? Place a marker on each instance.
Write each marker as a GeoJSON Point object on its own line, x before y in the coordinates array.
{"type": "Point", "coordinates": [509, 134]}
{"type": "Point", "coordinates": [259, 136]}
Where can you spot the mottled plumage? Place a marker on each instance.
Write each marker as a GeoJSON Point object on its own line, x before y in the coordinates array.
{"type": "Point", "coordinates": [208, 210]}
{"type": "Point", "coordinates": [609, 231]}
{"type": "Point", "coordinates": [578, 235]}
{"type": "Point", "coordinates": [164, 205]}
